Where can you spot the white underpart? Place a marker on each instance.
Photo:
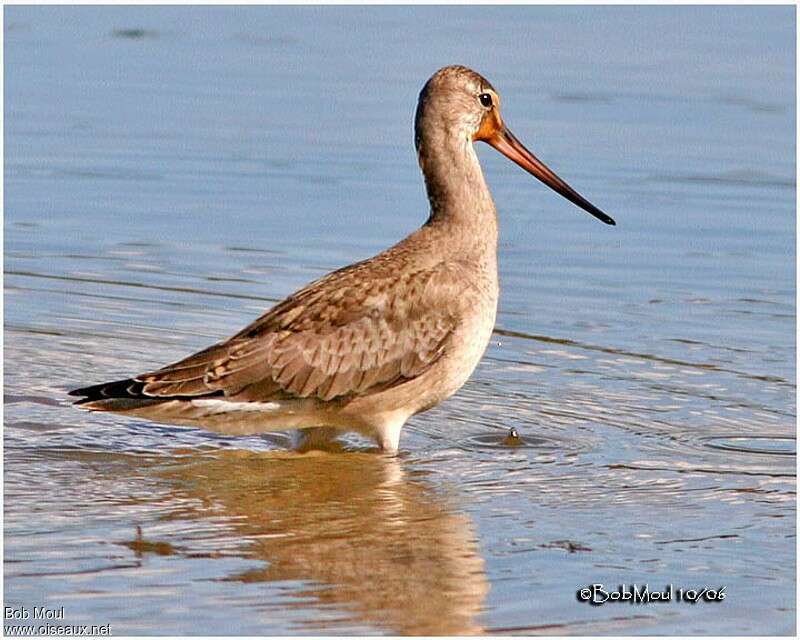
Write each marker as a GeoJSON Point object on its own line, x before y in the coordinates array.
{"type": "Point", "coordinates": [214, 406]}
{"type": "Point", "coordinates": [229, 417]}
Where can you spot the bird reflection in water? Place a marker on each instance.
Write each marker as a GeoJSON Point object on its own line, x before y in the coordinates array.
{"type": "Point", "coordinates": [364, 538]}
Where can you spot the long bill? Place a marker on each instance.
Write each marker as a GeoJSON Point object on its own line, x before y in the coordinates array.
{"type": "Point", "coordinates": [507, 144]}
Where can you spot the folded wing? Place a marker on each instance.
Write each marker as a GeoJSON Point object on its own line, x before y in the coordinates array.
{"type": "Point", "coordinates": [340, 336]}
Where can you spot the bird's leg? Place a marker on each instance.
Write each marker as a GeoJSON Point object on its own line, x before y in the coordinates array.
{"type": "Point", "coordinates": [387, 434]}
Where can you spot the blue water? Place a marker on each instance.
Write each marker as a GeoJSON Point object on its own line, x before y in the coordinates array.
{"type": "Point", "coordinates": [170, 172]}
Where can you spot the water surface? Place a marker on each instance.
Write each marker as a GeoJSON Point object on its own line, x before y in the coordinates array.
{"type": "Point", "coordinates": [172, 172]}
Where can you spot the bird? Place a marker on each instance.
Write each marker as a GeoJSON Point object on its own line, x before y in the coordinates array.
{"type": "Point", "coordinates": [367, 346]}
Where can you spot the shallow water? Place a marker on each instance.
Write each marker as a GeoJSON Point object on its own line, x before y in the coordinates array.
{"type": "Point", "coordinates": [170, 173]}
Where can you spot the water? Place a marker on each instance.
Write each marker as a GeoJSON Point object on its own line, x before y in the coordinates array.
{"type": "Point", "coordinates": [171, 172]}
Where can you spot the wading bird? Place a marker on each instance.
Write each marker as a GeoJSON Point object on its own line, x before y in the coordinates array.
{"type": "Point", "coordinates": [368, 346]}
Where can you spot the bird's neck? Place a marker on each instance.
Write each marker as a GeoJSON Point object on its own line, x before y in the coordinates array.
{"type": "Point", "coordinates": [456, 187]}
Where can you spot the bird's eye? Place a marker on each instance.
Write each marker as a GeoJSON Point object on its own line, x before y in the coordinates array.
{"type": "Point", "coordinates": [486, 99]}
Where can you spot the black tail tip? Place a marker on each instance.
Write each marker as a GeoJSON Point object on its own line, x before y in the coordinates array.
{"type": "Point", "coordinates": [128, 388]}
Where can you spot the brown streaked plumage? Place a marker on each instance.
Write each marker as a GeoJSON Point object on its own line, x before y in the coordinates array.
{"type": "Point", "coordinates": [365, 347]}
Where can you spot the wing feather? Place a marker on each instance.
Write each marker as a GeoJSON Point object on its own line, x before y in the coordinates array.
{"type": "Point", "coordinates": [328, 341]}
